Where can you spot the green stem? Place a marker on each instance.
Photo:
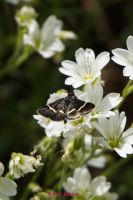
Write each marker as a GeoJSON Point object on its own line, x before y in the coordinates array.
{"type": "Point", "coordinates": [128, 89]}
{"type": "Point", "coordinates": [34, 178]}
{"type": "Point", "coordinates": [20, 54]}
{"type": "Point", "coordinates": [64, 168]}
{"type": "Point", "coordinates": [16, 60]}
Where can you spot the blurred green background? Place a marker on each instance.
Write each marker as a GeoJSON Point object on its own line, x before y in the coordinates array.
{"type": "Point", "coordinates": [100, 25]}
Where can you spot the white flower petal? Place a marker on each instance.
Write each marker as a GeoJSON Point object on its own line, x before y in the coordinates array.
{"type": "Point", "coordinates": [82, 177]}
{"type": "Point", "coordinates": [70, 68]}
{"type": "Point", "coordinates": [127, 133]}
{"type": "Point", "coordinates": [84, 58]}
{"type": "Point", "coordinates": [130, 43]}
{"type": "Point", "coordinates": [102, 127]}
{"type": "Point", "coordinates": [88, 140]}
{"type": "Point", "coordinates": [122, 121]}
{"type": "Point", "coordinates": [42, 121]}
{"type": "Point", "coordinates": [55, 96]}
{"type": "Point", "coordinates": [128, 71]}
{"type": "Point", "coordinates": [124, 150]}
{"type": "Point", "coordinates": [71, 71]}
{"type": "Point", "coordinates": [27, 40]}
{"type": "Point", "coordinates": [67, 64]}
{"type": "Point", "coordinates": [70, 185]}
{"type": "Point", "coordinates": [121, 57]}
{"type": "Point", "coordinates": [121, 152]}
{"type": "Point", "coordinates": [67, 35]}
{"type": "Point", "coordinates": [57, 46]}
{"type": "Point", "coordinates": [3, 197]}
{"type": "Point", "coordinates": [81, 95]}
{"type": "Point", "coordinates": [97, 94]}
{"type": "Point", "coordinates": [1, 168]}
{"type": "Point", "coordinates": [46, 53]}
{"type": "Point", "coordinates": [51, 27]}
{"type": "Point", "coordinates": [54, 128]}
{"type": "Point", "coordinates": [69, 132]}
{"type": "Point", "coordinates": [100, 185]}
{"type": "Point", "coordinates": [7, 186]}
{"type": "Point", "coordinates": [102, 59]}
{"type": "Point", "coordinates": [110, 101]}
{"type": "Point", "coordinates": [75, 83]}
{"type": "Point", "coordinates": [98, 162]}
{"type": "Point", "coordinates": [80, 57]}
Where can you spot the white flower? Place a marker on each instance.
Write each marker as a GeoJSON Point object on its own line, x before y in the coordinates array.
{"type": "Point", "coordinates": [86, 69]}
{"type": "Point", "coordinates": [7, 186]}
{"type": "Point", "coordinates": [20, 164]}
{"type": "Point", "coordinates": [25, 15]}
{"type": "Point", "coordinates": [15, 2]}
{"type": "Point", "coordinates": [46, 41]}
{"type": "Point", "coordinates": [82, 184]}
{"type": "Point", "coordinates": [103, 105]}
{"type": "Point", "coordinates": [124, 57]}
{"type": "Point", "coordinates": [115, 137]}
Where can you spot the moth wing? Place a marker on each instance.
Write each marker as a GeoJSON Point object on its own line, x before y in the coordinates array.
{"type": "Point", "coordinates": [78, 108]}
{"type": "Point", "coordinates": [59, 116]}
{"type": "Point", "coordinates": [58, 105]}
{"type": "Point", "coordinates": [50, 113]}
{"type": "Point", "coordinates": [71, 109]}
{"type": "Point", "coordinates": [73, 114]}
{"type": "Point", "coordinates": [86, 108]}
{"type": "Point", "coordinates": [46, 112]}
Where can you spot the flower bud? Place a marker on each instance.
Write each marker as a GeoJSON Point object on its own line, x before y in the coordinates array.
{"type": "Point", "coordinates": [20, 164]}
{"type": "Point", "coordinates": [66, 158]}
{"type": "Point", "coordinates": [25, 15]}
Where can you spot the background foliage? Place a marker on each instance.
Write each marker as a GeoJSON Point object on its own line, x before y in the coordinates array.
{"type": "Point", "coordinates": [100, 25]}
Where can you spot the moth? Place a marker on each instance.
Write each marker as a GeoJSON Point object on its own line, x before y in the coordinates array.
{"type": "Point", "coordinates": [67, 108]}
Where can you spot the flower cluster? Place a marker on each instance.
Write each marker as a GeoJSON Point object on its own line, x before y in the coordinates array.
{"type": "Point", "coordinates": [106, 124]}
{"type": "Point", "coordinates": [47, 41]}
{"type": "Point", "coordinates": [86, 122]}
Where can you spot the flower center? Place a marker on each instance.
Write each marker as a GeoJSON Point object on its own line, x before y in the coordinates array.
{"type": "Point", "coordinates": [88, 77]}
{"type": "Point", "coordinates": [115, 142]}
{"type": "Point", "coordinates": [78, 121]}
